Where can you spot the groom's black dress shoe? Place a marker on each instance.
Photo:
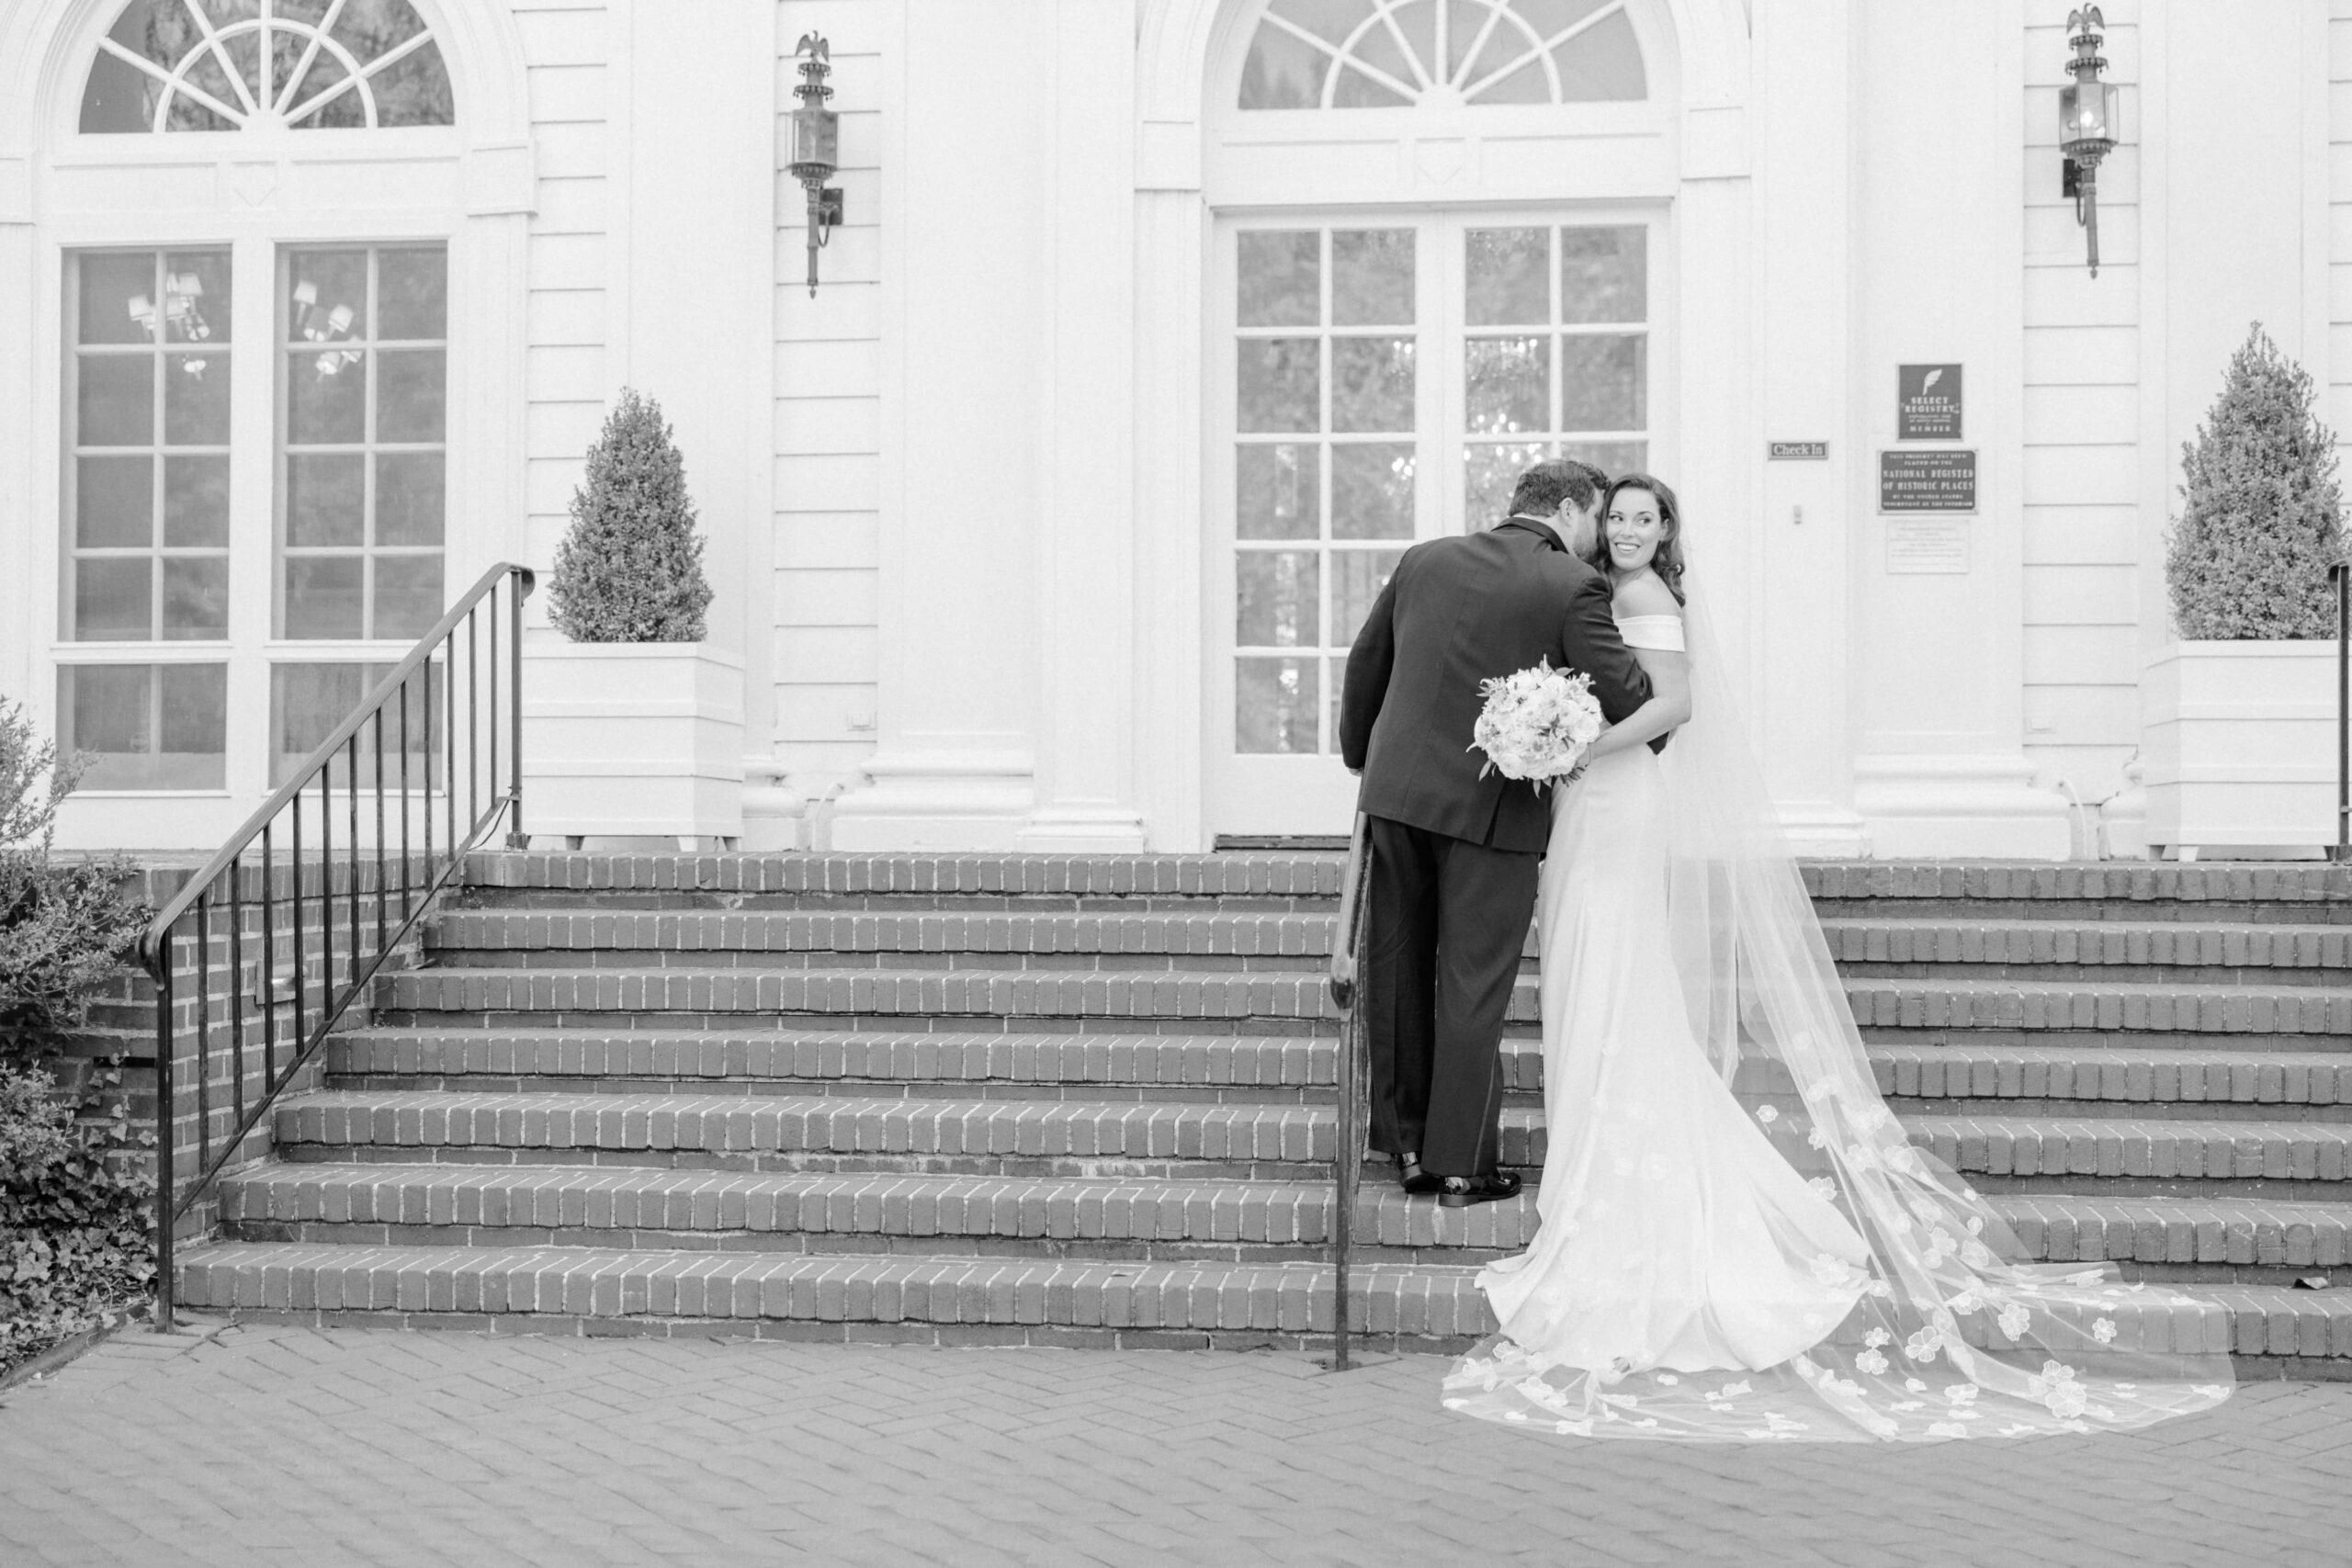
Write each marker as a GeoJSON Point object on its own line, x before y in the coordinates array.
{"type": "Point", "coordinates": [1461, 1191]}
{"type": "Point", "coordinates": [1413, 1179]}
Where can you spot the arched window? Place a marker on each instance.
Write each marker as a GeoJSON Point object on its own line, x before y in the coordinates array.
{"type": "Point", "coordinates": [1350, 54]}
{"type": "Point", "coordinates": [229, 64]}
{"type": "Point", "coordinates": [257, 462]}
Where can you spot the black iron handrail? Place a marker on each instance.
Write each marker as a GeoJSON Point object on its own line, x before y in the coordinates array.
{"type": "Point", "coordinates": [460, 756]}
{"type": "Point", "coordinates": [2342, 849]}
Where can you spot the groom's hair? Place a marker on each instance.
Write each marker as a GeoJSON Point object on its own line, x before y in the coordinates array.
{"type": "Point", "coordinates": [1543, 488]}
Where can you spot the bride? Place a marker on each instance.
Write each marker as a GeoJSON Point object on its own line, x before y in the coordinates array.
{"type": "Point", "coordinates": [1738, 1240]}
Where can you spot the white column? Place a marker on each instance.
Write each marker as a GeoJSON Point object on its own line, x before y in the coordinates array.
{"type": "Point", "coordinates": [966, 174]}
{"type": "Point", "coordinates": [1084, 554]}
{"type": "Point", "coordinates": [690, 301]}
{"type": "Point", "coordinates": [27, 548]}
{"type": "Point", "coordinates": [1176, 42]}
{"type": "Point", "coordinates": [1800, 560]}
{"type": "Point", "coordinates": [1940, 139]}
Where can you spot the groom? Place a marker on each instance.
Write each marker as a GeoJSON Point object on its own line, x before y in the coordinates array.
{"type": "Point", "coordinates": [1453, 854]}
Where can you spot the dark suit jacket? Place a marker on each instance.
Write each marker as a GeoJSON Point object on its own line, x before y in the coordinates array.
{"type": "Point", "coordinates": [1455, 613]}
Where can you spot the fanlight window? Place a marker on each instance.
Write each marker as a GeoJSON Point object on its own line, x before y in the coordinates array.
{"type": "Point", "coordinates": [1356, 55]}
{"type": "Point", "coordinates": [227, 65]}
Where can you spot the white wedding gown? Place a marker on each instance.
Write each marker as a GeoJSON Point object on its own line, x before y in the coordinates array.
{"type": "Point", "coordinates": [1688, 1279]}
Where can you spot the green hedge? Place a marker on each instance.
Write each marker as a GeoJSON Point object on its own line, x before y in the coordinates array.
{"type": "Point", "coordinates": [75, 1225]}
{"type": "Point", "coordinates": [76, 1220]}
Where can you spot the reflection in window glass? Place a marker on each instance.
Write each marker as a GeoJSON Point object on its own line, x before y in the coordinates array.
{"type": "Point", "coordinates": [363, 484]}
{"type": "Point", "coordinates": [1348, 55]}
{"type": "Point", "coordinates": [147, 486]}
{"type": "Point", "coordinates": [1580, 388]}
{"type": "Point", "coordinates": [1326, 460]}
{"type": "Point", "coordinates": [1274, 704]}
{"type": "Point", "coordinates": [306, 64]}
{"type": "Point", "coordinates": [1277, 490]}
{"type": "Point", "coordinates": [147, 727]}
{"type": "Point", "coordinates": [307, 702]}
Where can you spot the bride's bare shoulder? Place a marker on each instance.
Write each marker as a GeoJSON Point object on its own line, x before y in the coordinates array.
{"type": "Point", "coordinates": [1646, 595]}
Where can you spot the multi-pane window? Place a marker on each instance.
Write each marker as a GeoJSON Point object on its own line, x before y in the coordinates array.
{"type": "Point", "coordinates": [226, 64]}
{"type": "Point", "coordinates": [1392, 383]}
{"type": "Point", "coordinates": [365, 398]}
{"type": "Point", "coordinates": [1325, 462]}
{"type": "Point", "coordinates": [148, 484]}
{"type": "Point", "coordinates": [308, 701]}
{"type": "Point", "coordinates": [146, 504]}
{"type": "Point", "coordinates": [1369, 54]}
{"type": "Point", "coordinates": [146, 726]}
{"type": "Point", "coordinates": [1556, 354]}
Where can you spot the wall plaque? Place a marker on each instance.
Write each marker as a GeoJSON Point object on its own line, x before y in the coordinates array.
{"type": "Point", "coordinates": [1918, 545]}
{"type": "Point", "coordinates": [1797, 451]}
{"type": "Point", "coordinates": [1927, 402]}
{"type": "Point", "coordinates": [1927, 482]}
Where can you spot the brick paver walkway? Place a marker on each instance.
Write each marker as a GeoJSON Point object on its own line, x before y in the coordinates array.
{"type": "Point", "coordinates": [279, 1445]}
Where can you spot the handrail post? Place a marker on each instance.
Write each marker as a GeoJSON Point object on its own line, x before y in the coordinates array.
{"type": "Point", "coordinates": [2342, 572]}
{"type": "Point", "coordinates": [166, 1287]}
{"type": "Point", "coordinates": [1346, 1159]}
{"type": "Point", "coordinates": [516, 839]}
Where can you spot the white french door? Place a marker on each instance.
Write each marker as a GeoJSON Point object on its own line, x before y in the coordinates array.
{"type": "Point", "coordinates": [254, 508]}
{"type": "Point", "coordinates": [1377, 380]}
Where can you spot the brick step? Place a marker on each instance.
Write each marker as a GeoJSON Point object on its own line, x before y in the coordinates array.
{"type": "Point", "coordinates": [2113, 949]}
{"type": "Point", "coordinates": [2322, 1016]}
{"type": "Point", "coordinates": [2273, 1330]}
{"type": "Point", "coordinates": [1295, 997]}
{"type": "Point", "coordinates": [2118, 1158]}
{"type": "Point", "coordinates": [2283, 892]}
{"type": "Point", "coordinates": [2277, 1160]}
{"type": "Point", "coordinates": [1994, 889]}
{"type": "Point", "coordinates": [1296, 937]}
{"type": "Point", "coordinates": [914, 873]}
{"type": "Point", "coordinates": [821, 1133]}
{"type": "Point", "coordinates": [2156, 1081]}
{"type": "Point", "coordinates": [2169, 952]}
{"type": "Point", "coordinates": [640, 1208]}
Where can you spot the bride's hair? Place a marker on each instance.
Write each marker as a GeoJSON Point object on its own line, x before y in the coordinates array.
{"type": "Point", "coordinates": [1668, 562]}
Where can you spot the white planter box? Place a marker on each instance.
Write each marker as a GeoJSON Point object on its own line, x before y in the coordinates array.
{"type": "Point", "coordinates": [632, 738]}
{"type": "Point", "coordinates": [2239, 748]}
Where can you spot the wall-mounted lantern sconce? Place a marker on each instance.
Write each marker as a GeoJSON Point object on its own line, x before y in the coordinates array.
{"type": "Point", "coordinates": [2086, 122]}
{"type": "Point", "coordinates": [816, 145]}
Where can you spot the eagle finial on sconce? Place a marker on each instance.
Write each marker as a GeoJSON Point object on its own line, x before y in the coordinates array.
{"type": "Point", "coordinates": [816, 145]}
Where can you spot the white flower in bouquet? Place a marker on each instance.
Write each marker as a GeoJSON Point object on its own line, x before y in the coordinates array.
{"type": "Point", "coordinates": [1537, 724]}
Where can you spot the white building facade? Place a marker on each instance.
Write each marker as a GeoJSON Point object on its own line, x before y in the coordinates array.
{"type": "Point", "coordinates": [1154, 330]}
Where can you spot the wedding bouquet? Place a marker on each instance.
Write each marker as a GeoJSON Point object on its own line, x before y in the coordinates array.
{"type": "Point", "coordinates": [1537, 723]}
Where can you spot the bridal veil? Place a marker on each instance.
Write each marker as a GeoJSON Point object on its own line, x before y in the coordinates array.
{"type": "Point", "coordinates": [1952, 1336]}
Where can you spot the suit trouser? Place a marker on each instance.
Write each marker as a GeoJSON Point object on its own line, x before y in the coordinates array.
{"type": "Point", "coordinates": [1444, 923]}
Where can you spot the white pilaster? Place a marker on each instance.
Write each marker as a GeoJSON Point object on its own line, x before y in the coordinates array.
{"type": "Point", "coordinates": [1941, 768]}
{"type": "Point", "coordinates": [1798, 564]}
{"type": "Point", "coordinates": [967, 157]}
{"type": "Point", "coordinates": [1084, 551]}
{"type": "Point", "coordinates": [691, 300]}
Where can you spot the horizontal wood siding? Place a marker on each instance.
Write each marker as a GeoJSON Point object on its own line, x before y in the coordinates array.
{"type": "Point", "coordinates": [565, 45]}
{"type": "Point", "coordinates": [2084, 532]}
{"type": "Point", "coordinates": [827, 446]}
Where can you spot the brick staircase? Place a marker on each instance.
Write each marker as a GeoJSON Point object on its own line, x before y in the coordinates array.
{"type": "Point", "coordinates": [1071, 1100]}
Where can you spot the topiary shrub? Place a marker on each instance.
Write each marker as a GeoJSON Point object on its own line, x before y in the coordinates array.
{"type": "Point", "coordinates": [631, 566]}
{"type": "Point", "coordinates": [64, 926]}
{"type": "Point", "coordinates": [2261, 519]}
